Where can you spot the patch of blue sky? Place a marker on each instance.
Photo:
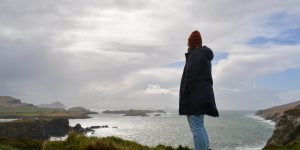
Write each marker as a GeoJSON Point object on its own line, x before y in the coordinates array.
{"type": "Point", "coordinates": [287, 37]}
{"type": "Point", "coordinates": [287, 27]}
{"type": "Point", "coordinates": [282, 20]}
{"type": "Point", "coordinates": [217, 57]}
{"type": "Point", "coordinates": [177, 64]}
{"type": "Point", "coordinates": [281, 81]}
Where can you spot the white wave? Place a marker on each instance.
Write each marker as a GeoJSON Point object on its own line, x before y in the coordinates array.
{"type": "Point", "coordinates": [249, 148]}
{"type": "Point", "coordinates": [53, 138]}
{"type": "Point", "coordinates": [261, 119]}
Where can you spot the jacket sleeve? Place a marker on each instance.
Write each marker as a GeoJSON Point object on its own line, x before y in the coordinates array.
{"type": "Point", "coordinates": [193, 67]}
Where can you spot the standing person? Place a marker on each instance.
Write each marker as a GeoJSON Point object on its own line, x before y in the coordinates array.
{"type": "Point", "coordinates": [196, 96]}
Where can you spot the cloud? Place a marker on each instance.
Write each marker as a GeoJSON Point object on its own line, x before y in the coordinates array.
{"type": "Point", "coordinates": [155, 89]}
{"type": "Point", "coordinates": [289, 95]}
{"type": "Point", "coordinates": [101, 53]}
{"type": "Point", "coordinates": [245, 98]}
{"type": "Point", "coordinates": [253, 63]}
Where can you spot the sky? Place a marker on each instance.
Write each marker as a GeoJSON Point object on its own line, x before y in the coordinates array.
{"type": "Point", "coordinates": [130, 53]}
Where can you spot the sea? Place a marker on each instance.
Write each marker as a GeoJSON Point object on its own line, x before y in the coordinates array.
{"type": "Point", "coordinates": [233, 130]}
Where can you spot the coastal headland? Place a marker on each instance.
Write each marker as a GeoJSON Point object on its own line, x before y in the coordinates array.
{"type": "Point", "coordinates": [34, 125]}
{"type": "Point", "coordinates": [286, 135]}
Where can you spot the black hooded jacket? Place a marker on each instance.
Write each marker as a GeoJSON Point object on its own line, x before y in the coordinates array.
{"type": "Point", "coordinates": [196, 96]}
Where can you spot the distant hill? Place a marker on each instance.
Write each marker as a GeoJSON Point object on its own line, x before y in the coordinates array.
{"type": "Point", "coordinates": [12, 108]}
{"type": "Point", "coordinates": [56, 104]}
{"type": "Point", "coordinates": [275, 112]}
{"type": "Point", "coordinates": [10, 102]}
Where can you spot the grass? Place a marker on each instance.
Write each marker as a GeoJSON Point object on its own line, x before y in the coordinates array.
{"type": "Point", "coordinates": [79, 142]}
{"type": "Point", "coordinates": [4, 147]}
{"type": "Point", "coordinates": [293, 112]}
{"type": "Point", "coordinates": [32, 112]}
{"type": "Point", "coordinates": [20, 144]}
{"type": "Point", "coordinates": [291, 146]}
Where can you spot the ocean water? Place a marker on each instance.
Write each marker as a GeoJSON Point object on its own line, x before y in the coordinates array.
{"type": "Point", "coordinates": [233, 130]}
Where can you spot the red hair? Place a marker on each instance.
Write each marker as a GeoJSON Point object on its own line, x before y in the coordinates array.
{"type": "Point", "coordinates": [194, 40]}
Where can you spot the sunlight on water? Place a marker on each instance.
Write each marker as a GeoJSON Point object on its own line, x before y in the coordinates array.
{"type": "Point", "coordinates": [7, 120]}
{"type": "Point", "coordinates": [239, 130]}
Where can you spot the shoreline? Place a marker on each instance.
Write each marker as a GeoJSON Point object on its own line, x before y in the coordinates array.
{"type": "Point", "coordinates": [262, 119]}
{"type": "Point", "coordinates": [97, 119]}
{"type": "Point", "coordinates": [124, 128]}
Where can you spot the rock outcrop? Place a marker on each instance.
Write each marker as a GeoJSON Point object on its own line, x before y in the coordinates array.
{"type": "Point", "coordinates": [287, 129]}
{"type": "Point", "coordinates": [79, 129]}
{"type": "Point", "coordinates": [35, 128]}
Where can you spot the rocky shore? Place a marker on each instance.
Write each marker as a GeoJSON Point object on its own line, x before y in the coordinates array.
{"type": "Point", "coordinates": [79, 129]}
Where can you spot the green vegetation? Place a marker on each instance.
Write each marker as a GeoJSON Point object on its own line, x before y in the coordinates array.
{"type": "Point", "coordinates": [33, 112]}
{"type": "Point", "coordinates": [34, 128]}
{"type": "Point", "coordinates": [292, 146]}
{"type": "Point", "coordinates": [293, 112]}
{"type": "Point", "coordinates": [14, 108]}
{"type": "Point", "coordinates": [20, 144]}
{"type": "Point", "coordinates": [79, 142]}
{"type": "Point", "coordinates": [3, 147]}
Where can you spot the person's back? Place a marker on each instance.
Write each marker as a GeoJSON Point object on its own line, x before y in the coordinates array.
{"type": "Point", "coordinates": [196, 97]}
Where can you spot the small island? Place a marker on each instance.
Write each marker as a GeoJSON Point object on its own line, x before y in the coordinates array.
{"type": "Point", "coordinates": [133, 112]}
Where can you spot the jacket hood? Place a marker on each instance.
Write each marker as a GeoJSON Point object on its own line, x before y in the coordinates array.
{"type": "Point", "coordinates": [206, 51]}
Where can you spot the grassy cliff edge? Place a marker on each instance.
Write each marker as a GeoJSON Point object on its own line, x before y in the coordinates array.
{"type": "Point", "coordinates": [79, 142]}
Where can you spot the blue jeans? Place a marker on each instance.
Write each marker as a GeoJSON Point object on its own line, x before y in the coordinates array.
{"type": "Point", "coordinates": [196, 123]}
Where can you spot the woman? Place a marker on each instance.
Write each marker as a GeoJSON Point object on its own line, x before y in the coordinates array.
{"type": "Point", "coordinates": [196, 97]}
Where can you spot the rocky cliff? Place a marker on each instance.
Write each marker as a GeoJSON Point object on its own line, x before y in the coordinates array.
{"type": "Point", "coordinates": [34, 128]}
{"type": "Point", "coordinates": [287, 130]}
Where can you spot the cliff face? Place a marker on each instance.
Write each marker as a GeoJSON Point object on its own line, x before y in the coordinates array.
{"type": "Point", "coordinates": [287, 129]}
{"type": "Point", "coordinates": [34, 128]}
